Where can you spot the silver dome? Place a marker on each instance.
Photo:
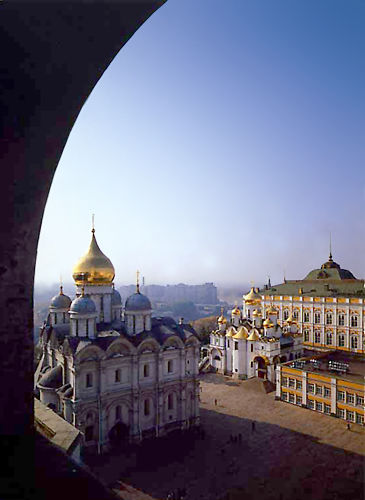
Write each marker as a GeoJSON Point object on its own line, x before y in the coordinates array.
{"type": "Point", "coordinates": [83, 305]}
{"type": "Point", "coordinates": [61, 301]}
{"type": "Point", "coordinates": [138, 302]}
{"type": "Point", "coordinates": [116, 298]}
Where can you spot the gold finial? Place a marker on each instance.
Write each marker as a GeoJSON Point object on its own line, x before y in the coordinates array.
{"type": "Point", "coordinates": [61, 285]}
{"type": "Point", "coordinates": [137, 273]}
{"type": "Point", "coordinates": [93, 223]}
{"type": "Point", "coordinates": [252, 284]}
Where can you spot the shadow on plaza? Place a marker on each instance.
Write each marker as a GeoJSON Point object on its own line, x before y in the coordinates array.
{"type": "Point", "coordinates": [270, 462]}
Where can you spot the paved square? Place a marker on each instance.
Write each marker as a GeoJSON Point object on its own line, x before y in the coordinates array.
{"type": "Point", "coordinates": [293, 453]}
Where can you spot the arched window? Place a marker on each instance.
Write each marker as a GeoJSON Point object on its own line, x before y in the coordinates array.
{"type": "Point", "coordinates": [89, 380]}
{"type": "Point", "coordinates": [306, 335]}
{"type": "Point", "coordinates": [286, 314]}
{"type": "Point", "coordinates": [317, 317]}
{"type": "Point", "coordinates": [329, 319]}
{"type": "Point", "coordinates": [341, 319]}
{"type": "Point", "coordinates": [354, 320]}
{"type": "Point", "coordinates": [306, 317]}
{"type": "Point", "coordinates": [87, 328]}
{"type": "Point", "coordinates": [329, 338]}
{"type": "Point", "coordinates": [354, 342]}
{"type": "Point", "coordinates": [317, 337]}
{"type": "Point", "coordinates": [341, 340]}
{"type": "Point", "coordinates": [295, 315]}
{"type": "Point", "coordinates": [117, 375]}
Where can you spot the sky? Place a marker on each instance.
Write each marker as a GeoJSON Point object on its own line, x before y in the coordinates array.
{"type": "Point", "coordinates": [224, 143]}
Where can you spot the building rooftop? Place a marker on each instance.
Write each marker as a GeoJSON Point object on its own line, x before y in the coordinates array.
{"type": "Point", "coordinates": [356, 364]}
{"type": "Point", "coordinates": [55, 428]}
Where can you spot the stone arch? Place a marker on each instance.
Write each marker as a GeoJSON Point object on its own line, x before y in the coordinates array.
{"type": "Point", "coordinates": [90, 353]}
{"type": "Point", "coordinates": [120, 346]}
{"type": "Point", "coordinates": [39, 123]}
{"type": "Point", "coordinates": [149, 344]}
{"type": "Point", "coordinates": [192, 341]}
{"type": "Point", "coordinates": [173, 341]}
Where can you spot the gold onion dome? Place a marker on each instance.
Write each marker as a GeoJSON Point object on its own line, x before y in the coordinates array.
{"type": "Point", "coordinates": [94, 268]}
{"type": "Point", "coordinates": [268, 323]}
{"type": "Point", "coordinates": [236, 311]}
{"type": "Point", "coordinates": [242, 334]}
{"type": "Point", "coordinates": [222, 319]}
{"type": "Point", "coordinates": [256, 313]}
{"type": "Point", "coordinates": [253, 336]}
{"type": "Point", "coordinates": [290, 320]}
{"type": "Point", "coordinates": [272, 310]}
{"type": "Point", "coordinates": [252, 297]}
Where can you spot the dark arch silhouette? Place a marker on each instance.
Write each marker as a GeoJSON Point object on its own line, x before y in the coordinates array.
{"type": "Point", "coordinates": [53, 55]}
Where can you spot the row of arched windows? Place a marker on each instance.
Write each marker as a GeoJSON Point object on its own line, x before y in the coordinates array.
{"type": "Point", "coordinates": [329, 337]}
{"type": "Point", "coordinates": [329, 318]}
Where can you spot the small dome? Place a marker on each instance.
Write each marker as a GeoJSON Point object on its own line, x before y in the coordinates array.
{"type": "Point", "coordinates": [116, 298]}
{"type": "Point", "coordinates": [256, 313]}
{"type": "Point", "coordinates": [272, 310]}
{"type": "Point", "coordinates": [94, 267]}
{"type": "Point", "coordinates": [242, 334]}
{"type": "Point", "coordinates": [236, 311]}
{"type": "Point", "coordinates": [268, 323]}
{"type": "Point", "coordinates": [83, 305]}
{"type": "Point", "coordinates": [253, 336]}
{"type": "Point", "coordinates": [61, 301]}
{"type": "Point", "coordinates": [230, 332]}
{"type": "Point", "coordinates": [138, 302]}
{"type": "Point", "coordinates": [252, 297]}
{"type": "Point", "coordinates": [222, 320]}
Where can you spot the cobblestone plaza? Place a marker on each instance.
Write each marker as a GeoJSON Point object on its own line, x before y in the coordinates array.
{"type": "Point", "coordinates": [291, 453]}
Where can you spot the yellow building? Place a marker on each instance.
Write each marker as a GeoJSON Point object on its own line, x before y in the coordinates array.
{"type": "Point", "coordinates": [316, 384]}
{"type": "Point", "coordinates": [328, 305]}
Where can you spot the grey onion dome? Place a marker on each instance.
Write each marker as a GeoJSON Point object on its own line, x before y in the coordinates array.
{"type": "Point", "coordinates": [52, 378]}
{"type": "Point", "coordinates": [61, 301]}
{"type": "Point", "coordinates": [83, 305]}
{"type": "Point", "coordinates": [138, 302]}
{"type": "Point", "coordinates": [116, 298]}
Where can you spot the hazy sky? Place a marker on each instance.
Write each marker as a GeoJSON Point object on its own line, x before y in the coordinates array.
{"type": "Point", "coordinates": [223, 143]}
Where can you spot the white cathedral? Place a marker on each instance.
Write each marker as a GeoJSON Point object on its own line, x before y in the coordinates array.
{"type": "Point", "coordinates": [115, 373]}
{"type": "Point", "coordinates": [252, 346]}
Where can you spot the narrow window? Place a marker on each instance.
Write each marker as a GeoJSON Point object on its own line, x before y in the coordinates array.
{"type": "Point", "coordinates": [251, 347]}
{"type": "Point", "coordinates": [236, 346]}
{"type": "Point", "coordinates": [286, 314]}
{"type": "Point", "coordinates": [170, 402]}
{"type": "Point", "coordinates": [89, 380]}
{"type": "Point", "coordinates": [341, 341]}
{"type": "Point", "coordinates": [353, 342]}
{"type": "Point", "coordinates": [227, 343]}
{"type": "Point", "coordinates": [317, 317]}
{"type": "Point", "coordinates": [146, 407]}
{"type": "Point", "coordinates": [306, 336]}
{"type": "Point", "coordinates": [117, 413]}
{"type": "Point", "coordinates": [117, 375]}
{"type": "Point", "coordinates": [329, 319]}
{"type": "Point", "coordinates": [146, 370]}
{"type": "Point", "coordinates": [353, 320]}
{"type": "Point", "coordinates": [341, 319]}
{"type": "Point", "coordinates": [169, 366]}
{"type": "Point", "coordinates": [144, 323]}
{"type": "Point", "coordinates": [87, 328]}
{"type": "Point", "coordinates": [134, 324]}
{"type": "Point", "coordinates": [77, 328]}
{"type": "Point", "coordinates": [329, 339]}
{"type": "Point", "coordinates": [55, 318]}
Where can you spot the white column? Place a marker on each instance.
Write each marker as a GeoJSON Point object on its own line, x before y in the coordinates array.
{"type": "Point", "coordinates": [304, 388]}
{"type": "Point", "coordinates": [333, 395]}
{"type": "Point", "coordinates": [278, 382]}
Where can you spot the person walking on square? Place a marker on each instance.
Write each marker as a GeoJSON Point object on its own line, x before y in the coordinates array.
{"type": "Point", "coordinates": [348, 426]}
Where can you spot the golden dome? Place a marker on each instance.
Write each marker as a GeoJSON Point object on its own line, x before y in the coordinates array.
{"type": "Point", "coordinates": [268, 323]}
{"type": "Point", "coordinates": [290, 320]}
{"type": "Point", "coordinates": [94, 268]}
{"type": "Point", "coordinates": [252, 297]}
{"type": "Point", "coordinates": [222, 319]}
{"type": "Point", "coordinates": [253, 336]}
{"type": "Point", "coordinates": [272, 310]}
{"type": "Point", "coordinates": [230, 332]}
{"type": "Point", "coordinates": [236, 311]}
{"type": "Point", "coordinates": [242, 333]}
{"type": "Point", "coordinates": [256, 313]}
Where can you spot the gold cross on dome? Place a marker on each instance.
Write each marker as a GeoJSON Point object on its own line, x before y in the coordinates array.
{"type": "Point", "coordinates": [93, 223]}
{"type": "Point", "coordinates": [137, 274]}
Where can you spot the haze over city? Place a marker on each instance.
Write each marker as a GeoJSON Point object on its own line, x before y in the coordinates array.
{"type": "Point", "coordinates": [220, 146]}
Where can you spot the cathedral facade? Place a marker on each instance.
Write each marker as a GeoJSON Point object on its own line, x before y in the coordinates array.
{"type": "Point", "coordinates": [116, 373]}
{"type": "Point", "coordinates": [253, 343]}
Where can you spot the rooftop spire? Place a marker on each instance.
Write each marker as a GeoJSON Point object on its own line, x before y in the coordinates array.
{"type": "Point", "coordinates": [330, 256]}
{"type": "Point", "coordinates": [137, 273]}
{"type": "Point", "coordinates": [93, 223]}
{"type": "Point", "coordinates": [61, 285]}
